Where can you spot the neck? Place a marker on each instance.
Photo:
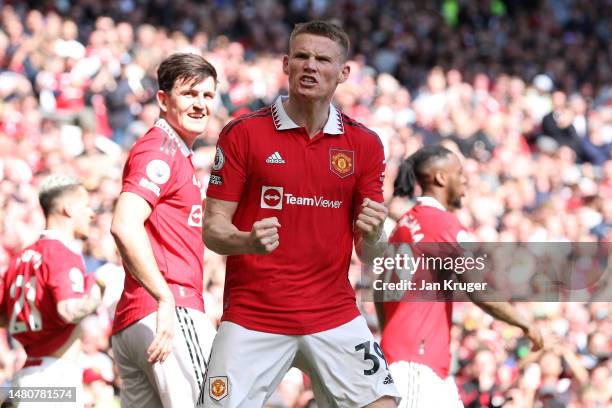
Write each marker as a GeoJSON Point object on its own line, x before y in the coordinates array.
{"type": "Point", "coordinates": [61, 226]}
{"type": "Point", "coordinates": [439, 195]}
{"type": "Point", "coordinates": [312, 115]}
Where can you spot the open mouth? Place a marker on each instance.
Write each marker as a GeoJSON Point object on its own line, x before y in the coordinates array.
{"type": "Point", "coordinates": [196, 115]}
{"type": "Point", "coordinates": [307, 80]}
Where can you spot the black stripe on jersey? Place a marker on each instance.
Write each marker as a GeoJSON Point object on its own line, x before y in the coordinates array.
{"type": "Point", "coordinates": [265, 111]}
{"type": "Point", "coordinates": [197, 368]}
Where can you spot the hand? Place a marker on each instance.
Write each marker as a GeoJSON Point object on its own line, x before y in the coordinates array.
{"type": "Point", "coordinates": [535, 336]}
{"type": "Point", "coordinates": [371, 219]}
{"type": "Point", "coordinates": [264, 235]}
{"type": "Point", "coordinates": [161, 346]}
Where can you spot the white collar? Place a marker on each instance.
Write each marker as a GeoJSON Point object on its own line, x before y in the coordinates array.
{"type": "Point", "coordinates": [162, 124]}
{"type": "Point", "coordinates": [72, 245]}
{"type": "Point", "coordinates": [282, 121]}
{"type": "Point", "coordinates": [430, 202]}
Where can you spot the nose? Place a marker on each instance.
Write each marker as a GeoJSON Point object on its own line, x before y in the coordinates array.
{"type": "Point", "coordinates": [200, 101]}
{"type": "Point", "coordinates": [310, 64]}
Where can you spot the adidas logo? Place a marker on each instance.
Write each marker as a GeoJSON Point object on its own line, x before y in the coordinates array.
{"type": "Point", "coordinates": [275, 158]}
{"type": "Point", "coordinates": [388, 379]}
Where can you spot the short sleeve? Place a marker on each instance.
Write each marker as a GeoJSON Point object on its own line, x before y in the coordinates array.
{"type": "Point", "coordinates": [148, 172]}
{"type": "Point", "coordinates": [228, 175]}
{"type": "Point", "coordinates": [371, 171]}
{"type": "Point", "coordinates": [66, 276]}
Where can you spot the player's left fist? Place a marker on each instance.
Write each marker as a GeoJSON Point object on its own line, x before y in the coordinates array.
{"type": "Point", "coordinates": [371, 219]}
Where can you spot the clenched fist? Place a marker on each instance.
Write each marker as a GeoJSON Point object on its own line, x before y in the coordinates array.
{"type": "Point", "coordinates": [264, 235]}
{"type": "Point", "coordinates": [371, 219]}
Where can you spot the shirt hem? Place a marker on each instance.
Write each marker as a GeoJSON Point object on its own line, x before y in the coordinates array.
{"type": "Point", "coordinates": [291, 331]}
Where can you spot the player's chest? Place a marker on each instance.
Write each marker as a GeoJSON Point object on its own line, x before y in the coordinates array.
{"type": "Point", "coordinates": [326, 166]}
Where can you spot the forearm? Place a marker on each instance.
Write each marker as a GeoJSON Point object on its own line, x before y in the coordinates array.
{"type": "Point", "coordinates": [135, 249]}
{"type": "Point", "coordinates": [505, 312]}
{"type": "Point", "coordinates": [366, 251]}
{"type": "Point", "coordinates": [74, 310]}
{"type": "Point", "coordinates": [224, 238]}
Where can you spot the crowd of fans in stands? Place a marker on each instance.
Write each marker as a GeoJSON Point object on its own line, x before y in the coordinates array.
{"type": "Point", "coordinates": [521, 89]}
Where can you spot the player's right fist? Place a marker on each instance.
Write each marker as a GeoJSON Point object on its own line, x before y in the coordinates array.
{"type": "Point", "coordinates": [264, 235]}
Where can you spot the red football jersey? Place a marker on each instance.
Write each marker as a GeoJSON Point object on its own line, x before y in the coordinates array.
{"type": "Point", "coordinates": [159, 169]}
{"type": "Point", "coordinates": [315, 187]}
{"type": "Point", "coordinates": [415, 330]}
{"type": "Point", "coordinates": [42, 275]}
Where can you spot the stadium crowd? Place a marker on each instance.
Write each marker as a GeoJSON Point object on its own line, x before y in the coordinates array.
{"type": "Point", "coordinates": [521, 89]}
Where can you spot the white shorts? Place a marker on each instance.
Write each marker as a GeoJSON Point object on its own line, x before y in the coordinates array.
{"type": "Point", "coordinates": [346, 366]}
{"type": "Point", "coordinates": [421, 387]}
{"type": "Point", "coordinates": [177, 381]}
{"type": "Point", "coordinates": [51, 372]}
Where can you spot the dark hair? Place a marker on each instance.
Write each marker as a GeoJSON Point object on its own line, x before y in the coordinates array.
{"type": "Point", "coordinates": [183, 66]}
{"type": "Point", "coordinates": [54, 187]}
{"type": "Point", "coordinates": [414, 169]}
{"type": "Point", "coordinates": [323, 29]}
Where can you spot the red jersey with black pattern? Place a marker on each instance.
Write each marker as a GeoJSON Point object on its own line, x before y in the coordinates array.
{"type": "Point", "coordinates": [42, 275]}
{"type": "Point", "coordinates": [159, 169]}
{"type": "Point", "coordinates": [415, 330]}
{"type": "Point", "coordinates": [271, 168]}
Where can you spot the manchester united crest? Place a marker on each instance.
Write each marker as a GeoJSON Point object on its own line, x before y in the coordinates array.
{"type": "Point", "coordinates": [341, 162]}
{"type": "Point", "coordinates": [218, 388]}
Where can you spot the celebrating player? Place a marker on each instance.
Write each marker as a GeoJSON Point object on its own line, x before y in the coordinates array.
{"type": "Point", "coordinates": [44, 293]}
{"type": "Point", "coordinates": [161, 337]}
{"type": "Point", "coordinates": [293, 185]}
{"type": "Point", "coordinates": [416, 334]}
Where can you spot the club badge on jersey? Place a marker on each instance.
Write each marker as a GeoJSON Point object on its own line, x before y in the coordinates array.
{"type": "Point", "coordinates": [341, 162]}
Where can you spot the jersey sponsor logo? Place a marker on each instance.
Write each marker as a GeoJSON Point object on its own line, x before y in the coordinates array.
{"type": "Point", "coordinates": [218, 388]}
{"type": "Point", "coordinates": [195, 216]}
{"type": "Point", "coordinates": [275, 158]}
{"type": "Point", "coordinates": [158, 171]}
{"type": "Point", "coordinates": [219, 159]}
{"type": "Point", "coordinates": [149, 185]}
{"type": "Point", "coordinates": [341, 162]}
{"type": "Point", "coordinates": [216, 179]}
{"type": "Point", "coordinates": [272, 197]}
{"type": "Point", "coordinates": [314, 201]}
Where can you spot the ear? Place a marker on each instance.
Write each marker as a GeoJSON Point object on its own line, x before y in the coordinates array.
{"type": "Point", "coordinates": [286, 64]}
{"type": "Point", "coordinates": [162, 99]}
{"type": "Point", "coordinates": [441, 178]}
{"type": "Point", "coordinates": [66, 208]}
{"type": "Point", "coordinates": [344, 73]}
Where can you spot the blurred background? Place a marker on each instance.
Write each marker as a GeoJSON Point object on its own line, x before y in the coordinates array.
{"type": "Point", "coordinates": [522, 89]}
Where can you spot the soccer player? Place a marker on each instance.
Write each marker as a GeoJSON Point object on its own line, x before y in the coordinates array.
{"type": "Point", "coordinates": [416, 334]}
{"type": "Point", "coordinates": [292, 187]}
{"type": "Point", "coordinates": [161, 337]}
{"type": "Point", "coordinates": [45, 293]}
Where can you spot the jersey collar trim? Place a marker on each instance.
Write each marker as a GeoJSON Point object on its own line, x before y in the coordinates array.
{"type": "Point", "coordinates": [282, 121]}
{"type": "Point", "coordinates": [163, 125]}
{"type": "Point", "coordinates": [58, 236]}
{"type": "Point", "coordinates": [430, 202]}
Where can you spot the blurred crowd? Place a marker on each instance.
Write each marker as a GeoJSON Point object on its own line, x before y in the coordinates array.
{"type": "Point", "coordinates": [521, 89]}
